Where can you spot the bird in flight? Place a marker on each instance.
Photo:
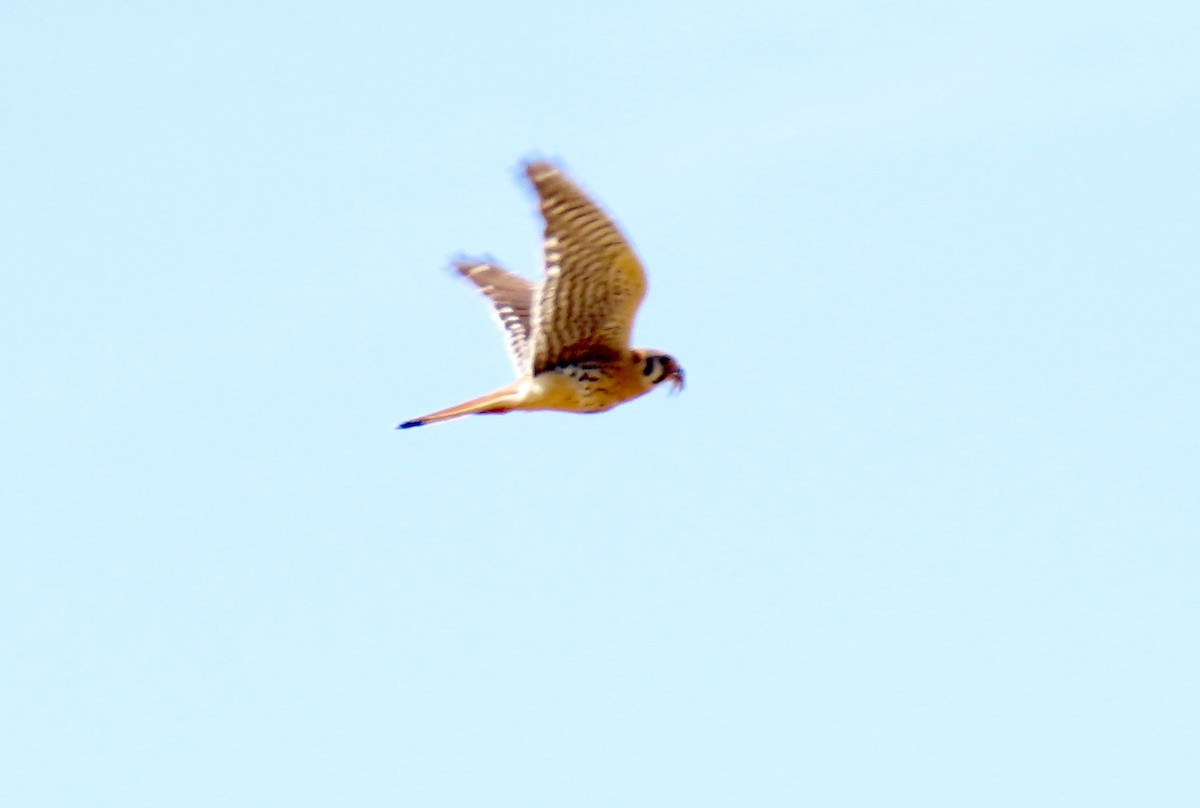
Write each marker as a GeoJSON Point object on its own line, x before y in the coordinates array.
{"type": "Point", "coordinates": [568, 337]}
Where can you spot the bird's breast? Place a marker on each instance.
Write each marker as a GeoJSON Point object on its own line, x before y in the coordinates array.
{"type": "Point", "coordinates": [583, 387]}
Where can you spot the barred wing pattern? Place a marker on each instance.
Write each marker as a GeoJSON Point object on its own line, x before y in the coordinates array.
{"type": "Point", "coordinates": [594, 281]}
{"type": "Point", "coordinates": [512, 298]}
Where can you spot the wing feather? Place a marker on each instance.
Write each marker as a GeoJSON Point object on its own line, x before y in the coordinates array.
{"type": "Point", "coordinates": [594, 281]}
{"type": "Point", "coordinates": [512, 299]}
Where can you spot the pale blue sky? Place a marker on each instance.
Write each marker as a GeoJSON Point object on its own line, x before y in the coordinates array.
{"type": "Point", "coordinates": [922, 531]}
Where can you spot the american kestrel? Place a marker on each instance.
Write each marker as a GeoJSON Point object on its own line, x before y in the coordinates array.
{"type": "Point", "coordinates": [568, 337]}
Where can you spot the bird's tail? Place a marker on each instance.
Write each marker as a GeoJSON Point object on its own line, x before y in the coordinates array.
{"type": "Point", "coordinates": [503, 400]}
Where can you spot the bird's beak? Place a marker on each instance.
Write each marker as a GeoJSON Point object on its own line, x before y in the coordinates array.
{"type": "Point", "coordinates": [676, 378]}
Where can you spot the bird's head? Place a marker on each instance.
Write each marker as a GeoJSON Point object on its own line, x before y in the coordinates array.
{"type": "Point", "coordinates": [658, 367]}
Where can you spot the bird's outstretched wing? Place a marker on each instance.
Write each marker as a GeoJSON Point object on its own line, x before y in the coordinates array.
{"type": "Point", "coordinates": [594, 281]}
{"type": "Point", "coordinates": [512, 299]}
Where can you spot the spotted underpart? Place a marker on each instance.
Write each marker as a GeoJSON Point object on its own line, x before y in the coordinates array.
{"type": "Point", "coordinates": [591, 381]}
